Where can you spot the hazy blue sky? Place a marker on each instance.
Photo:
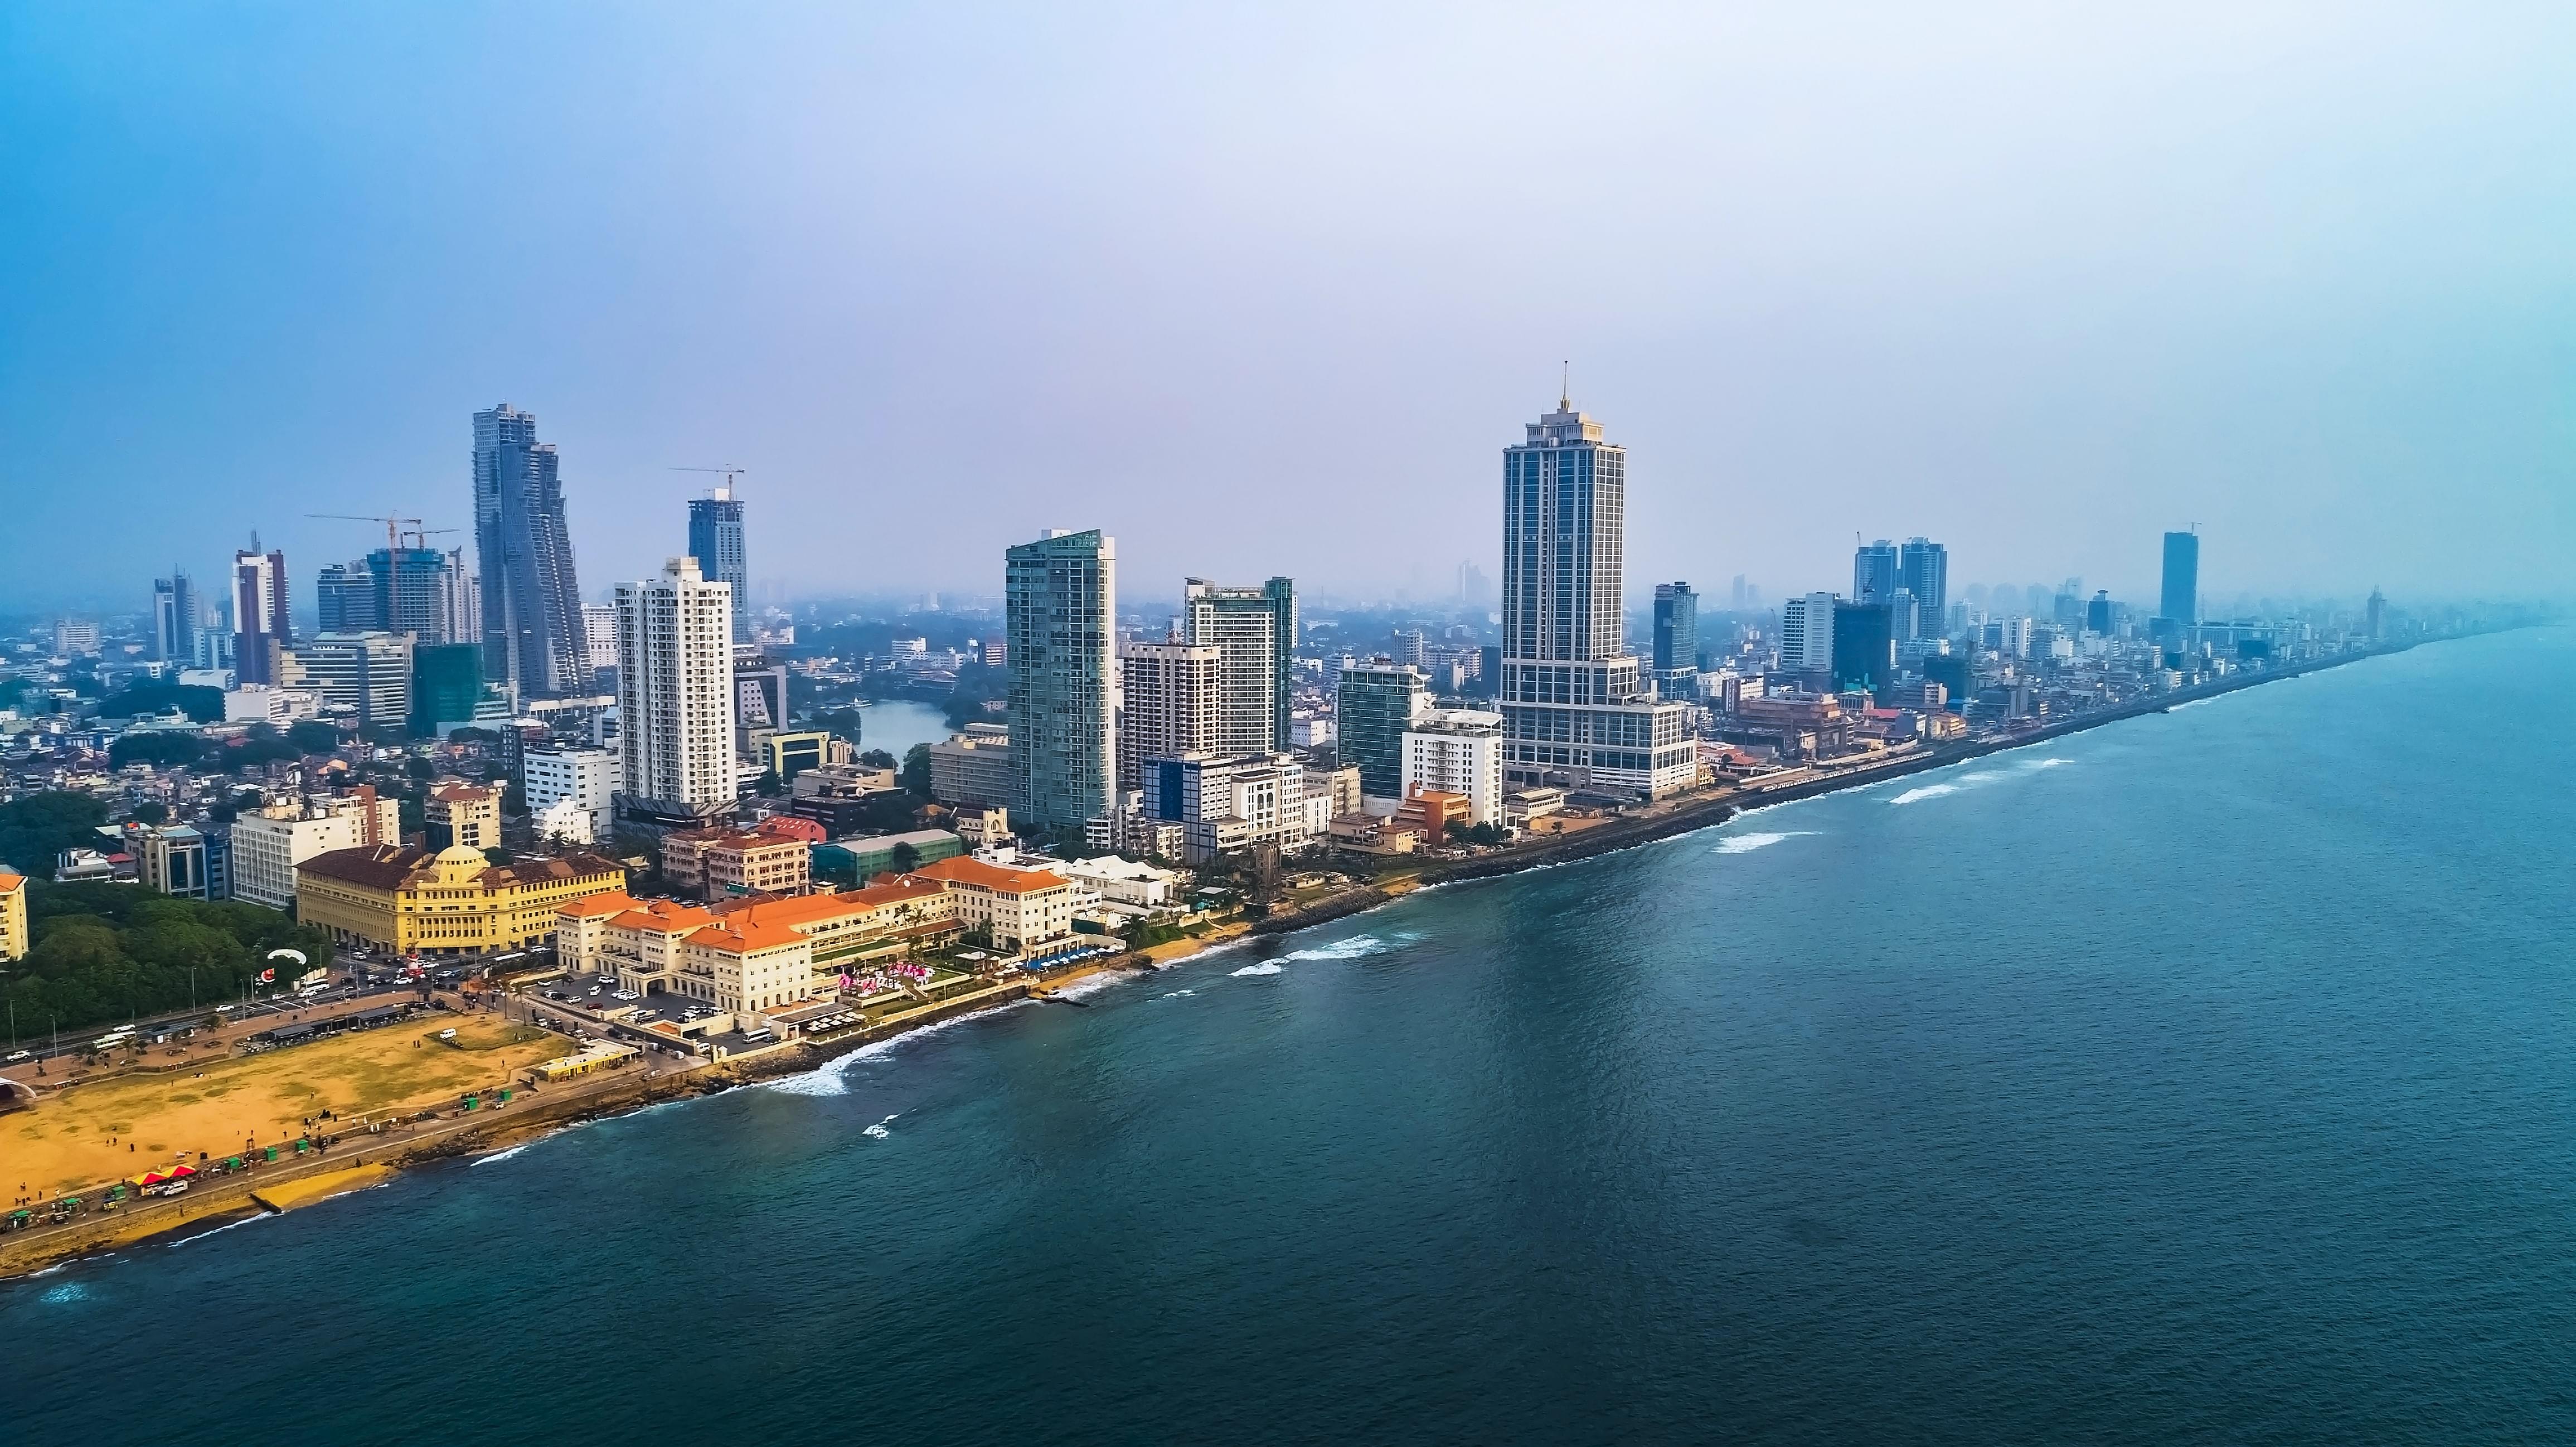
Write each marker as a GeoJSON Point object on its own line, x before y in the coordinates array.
{"type": "Point", "coordinates": [1266, 292]}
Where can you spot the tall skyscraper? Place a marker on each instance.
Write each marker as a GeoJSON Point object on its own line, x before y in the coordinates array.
{"type": "Point", "coordinates": [1257, 629]}
{"type": "Point", "coordinates": [2375, 615]}
{"type": "Point", "coordinates": [2179, 604]}
{"type": "Point", "coordinates": [1807, 634]}
{"type": "Point", "coordinates": [1060, 603]}
{"type": "Point", "coordinates": [1574, 711]}
{"type": "Point", "coordinates": [715, 540]}
{"type": "Point", "coordinates": [532, 636]}
{"type": "Point", "coordinates": [675, 699]}
{"type": "Point", "coordinates": [1875, 569]}
{"type": "Point", "coordinates": [1923, 569]}
{"type": "Point", "coordinates": [344, 597]}
{"type": "Point", "coordinates": [1677, 639]}
{"type": "Point", "coordinates": [261, 622]}
{"type": "Point", "coordinates": [368, 671]}
{"type": "Point", "coordinates": [1170, 701]}
{"type": "Point", "coordinates": [177, 614]}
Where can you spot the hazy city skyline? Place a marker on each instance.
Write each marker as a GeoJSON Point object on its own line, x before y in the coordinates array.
{"type": "Point", "coordinates": [2041, 286]}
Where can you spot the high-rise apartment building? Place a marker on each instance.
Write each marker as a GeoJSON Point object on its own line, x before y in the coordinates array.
{"type": "Point", "coordinates": [532, 633]}
{"type": "Point", "coordinates": [1807, 634]}
{"type": "Point", "coordinates": [1374, 703]}
{"type": "Point", "coordinates": [2375, 616]}
{"type": "Point", "coordinates": [423, 592]}
{"type": "Point", "coordinates": [368, 672]}
{"type": "Point", "coordinates": [1923, 569]}
{"type": "Point", "coordinates": [1676, 641]}
{"type": "Point", "coordinates": [1169, 704]}
{"type": "Point", "coordinates": [599, 628]}
{"type": "Point", "coordinates": [2179, 602]}
{"type": "Point", "coordinates": [1573, 708]}
{"type": "Point", "coordinates": [1257, 629]}
{"type": "Point", "coordinates": [675, 698]}
{"type": "Point", "coordinates": [261, 627]}
{"type": "Point", "coordinates": [571, 791]}
{"type": "Point", "coordinates": [715, 540]}
{"type": "Point", "coordinates": [1060, 603]}
{"type": "Point", "coordinates": [1874, 571]}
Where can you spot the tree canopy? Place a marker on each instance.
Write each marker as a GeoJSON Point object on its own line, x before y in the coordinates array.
{"type": "Point", "coordinates": [111, 952]}
{"type": "Point", "coordinates": [36, 829]}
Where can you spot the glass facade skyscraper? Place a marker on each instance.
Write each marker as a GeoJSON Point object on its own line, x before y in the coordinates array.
{"type": "Point", "coordinates": [2179, 604]}
{"type": "Point", "coordinates": [1864, 646]}
{"type": "Point", "coordinates": [1374, 703]}
{"type": "Point", "coordinates": [1874, 571]}
{"type": "Point", "coordinates": [1923, 569]}
{"type": "Point", "coordinates": [715, 540]}
{"type": "Point", "coordinates": [1573, 707]}
{"type": "Point", "coordinates": [532, 628]}
{"type": "Point", "coordinates": [1677, 638]}
{"type": "Point", "coordinates": [1060, 607]}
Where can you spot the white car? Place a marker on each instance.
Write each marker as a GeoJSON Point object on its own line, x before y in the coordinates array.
{"type": "Point", "coordinates": [15, 1056]}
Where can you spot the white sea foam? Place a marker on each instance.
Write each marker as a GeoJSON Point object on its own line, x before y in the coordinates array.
{"type": "Point", "coordinates": [1266, 967]}
{"type": "Point", "coordinates": [879, 1129]}
{"type": "Point", "coordinates": [1178, 994]}
{"type": "Point", "coordinates": [1747, 843]}
{"type": "Point", "coordinates": [503, 1155]}
{"type": "Point", "coordinates": [2049, 763]}
{"type": "Point", "coordinates": [1357, 947]}
{"type": "Point", "coordinates": [1080, 989]}
{"type": "Point", "coordinates": [2190, 703]}
{"type": "Point", "coordinates": [827, 1078]}
{"type": "Point", "coordinates": [1928, 791]}
{"type": "Point", "coordinates": [219, 1230]}
{"type": "Point", "coordinates": [66, 1294]}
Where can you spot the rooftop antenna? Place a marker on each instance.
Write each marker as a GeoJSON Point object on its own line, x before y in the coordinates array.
{"type": "Point", "coordinates": [724, 491]}
{"type": "Point", "coordinates": [1565, 386]}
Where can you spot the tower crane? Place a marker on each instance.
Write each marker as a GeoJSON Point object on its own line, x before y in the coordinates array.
{"type": "Point", "coordinates": [393, 538]}
{"type": "Point", "coordinates": [728, 470]}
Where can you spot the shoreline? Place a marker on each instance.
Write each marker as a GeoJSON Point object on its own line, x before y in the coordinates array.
{"type": "Point", "coordinates": [30, 1253]}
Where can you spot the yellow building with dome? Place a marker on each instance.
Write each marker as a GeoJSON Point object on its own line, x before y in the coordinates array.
{"type": "Point", "coordinates": [454, 902]}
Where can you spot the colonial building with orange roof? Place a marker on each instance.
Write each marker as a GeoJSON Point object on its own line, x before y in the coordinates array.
{"type": "Point", "coordinates": [13, 916]}
{"type": "Point", "coordinates": [732, 952]}
{"type": "Point", "coordinates": [1018, 907]}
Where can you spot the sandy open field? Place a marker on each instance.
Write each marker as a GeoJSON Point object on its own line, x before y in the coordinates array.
{"type": "Point", "coordinates": [64, 1143]}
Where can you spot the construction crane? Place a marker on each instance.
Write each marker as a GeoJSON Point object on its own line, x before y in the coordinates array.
{"type": "Point", "coordinates": [393, 537]}
{"type": "Point", "coordinates": [420, 536]}
{"type": "Point", "coordinates": [729, 471]}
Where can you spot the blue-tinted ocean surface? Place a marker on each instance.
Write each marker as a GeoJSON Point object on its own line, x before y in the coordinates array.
{"type": "Point", "coordinates": [2210, 1077]}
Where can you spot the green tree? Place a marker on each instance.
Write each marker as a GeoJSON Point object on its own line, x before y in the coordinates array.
{"type": "Point", "coordinates": [877, 759]}
{"type": "Point", "coordinates": [906, 858]}
{"type": "Point", "coordinates": [35, 829]}
{"type": "Point", "coordinates": [205, 705]}
{"type": "Point", "coordinates": [151, 811]}
{"type": "Point", "coordinates": [421, 769]}
{"type": "Point", "coordinates": [161, 749]}
{"type": "Point", "coordinates": [313, 736]}
{"type": "Point", "coordinates": [769, 785]}
{"type": "Point", "coordinates": [915, 774]}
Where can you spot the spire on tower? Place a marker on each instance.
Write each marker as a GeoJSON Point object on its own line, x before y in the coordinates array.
{"type": "Point", "coordinates": [1565, 387]}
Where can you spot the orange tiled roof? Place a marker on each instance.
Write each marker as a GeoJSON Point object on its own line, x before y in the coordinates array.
{"type": "Point", "coordinates": [995, 877]}
{"type": "Point", "coordinates": [615, 901]}
{"type": "Point", "coordinates": [10, 881]}
{"type": "Point", "coordinates": [747, 938]}
{"type": "Point", "coordinates": [892, 889]}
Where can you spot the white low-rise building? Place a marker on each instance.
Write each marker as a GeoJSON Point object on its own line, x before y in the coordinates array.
{"type": "Point", "coordinates": [269, 704]}
{"type": "Point", "coordinates": [267, 845]}
{"type": "Point", "coordinates": [566, 780]}
{"type": "Point", "coordinates": [1123, 881]}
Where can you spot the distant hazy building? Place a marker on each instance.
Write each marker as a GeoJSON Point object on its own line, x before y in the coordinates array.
{"type": "Point", "coordinates": [1257, 629]}
{"type": "Point", "coordinates": [599, 631]}
{"type": "Point", "coordinates": [344, 599]}
{"type": "Point", "coordinates": [1169, 703]}
{"type": "Point", "coordinates": [2375, 616]}
{"type": "Point", "coordinates": [2178, 604]}
{"type": "Point", "coordinates": [261, 623]}
{"type": "Point", "coordinates": [1375, 703]}
{"type": "Point", "coordinates": [1807, 634]}
{"type": "Point", "coordinates": [1060, 602]}
{"type": "Point", "coordinates": [1923, 569]}
{"type": "Point", "coordinates": [675, 699]}
{"type": "Point", "coordinates": [532, 630]}
{"type": "Point", "coordinates": [177, 614]}
{"type": "Point", "coordinates": [368, 673]}
{"type": "Point", "coordinates": [2097, 614]}
{"type": "Point", "coordinates": [1676, 647]}
{"type": "Point", "coordinates": [1874, 571]}
{"type": "Point", "coordinates": [715, 540]}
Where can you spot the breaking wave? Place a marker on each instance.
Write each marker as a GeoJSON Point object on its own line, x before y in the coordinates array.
{"type": "Point", "coordinates": [826, 1078]}
{"type": "Point", "coordinates": [1266, 967]}
{"type": "Point", "coordinates": [1747, 843]}
{"type": "Point", "coordinates": [879, 1129]}
{"type": "Point", "coordinates": [219, 1230]}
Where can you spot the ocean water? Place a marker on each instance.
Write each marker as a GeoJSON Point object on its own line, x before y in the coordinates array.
{"type": "Point", "coordinates": [2206, 1078]}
